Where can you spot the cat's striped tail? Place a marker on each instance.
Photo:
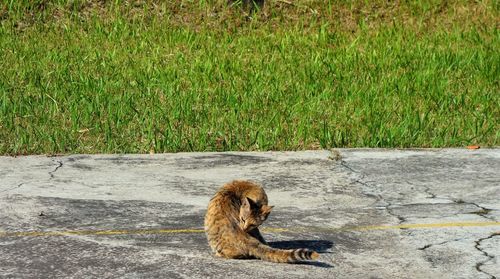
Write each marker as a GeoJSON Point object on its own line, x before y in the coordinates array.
{"type": "Point", "coordinates": [267, 253]}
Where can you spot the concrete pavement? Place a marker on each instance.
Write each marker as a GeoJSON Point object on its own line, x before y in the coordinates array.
{"type": "Point", "coordinates": [370, 213]}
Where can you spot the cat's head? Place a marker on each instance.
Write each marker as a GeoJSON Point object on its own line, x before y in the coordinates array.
{"type": "Point", "coordinates": [252, 215]}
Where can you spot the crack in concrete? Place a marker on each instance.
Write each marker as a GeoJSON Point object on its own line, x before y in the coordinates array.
{"type": "Point", "coordinates": [401, 219]}
{"type": "Point", "coordinates": [359, 180]}
{"type": "Point", "coordinates": [422, 203]}
{"type": "Point", "coordinates": [483, 211]}
{"type": "Point", "coordinates": [427, 190]}
{"type": "Point", "coordinates": [425, 247]}
{"type": "Point", "coordinates": [60, 164]}
{"type": "Point", "coordinates": [377, 197]}
{"type": "Point", "coordinates": [343, 163]}
{"type": "Point", "coordinates": [489, 257]}
{"type": "Point", "coordinates": [12, 188]}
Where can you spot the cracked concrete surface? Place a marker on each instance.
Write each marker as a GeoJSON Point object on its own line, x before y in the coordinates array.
{"type": "Point", "coordinates": [490, 257]}
{"type": "Point", "coordinates": [346, 205]}
{"type": "Point", "coordinates": [59, 165]}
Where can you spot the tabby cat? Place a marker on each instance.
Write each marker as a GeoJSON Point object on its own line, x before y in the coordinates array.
{"type": "Point", "coordinates": [232, 220]}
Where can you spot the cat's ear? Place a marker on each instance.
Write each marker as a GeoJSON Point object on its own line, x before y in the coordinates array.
{"type": "Point", "coordinates": [266, 209]}
{"type": "Point", "coordinates": [245, 209]}
{"type": "Point", "coordinates": [246, 204]}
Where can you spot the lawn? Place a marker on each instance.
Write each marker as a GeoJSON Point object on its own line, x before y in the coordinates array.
{"type": "Point", "coordinates": [171, 76]}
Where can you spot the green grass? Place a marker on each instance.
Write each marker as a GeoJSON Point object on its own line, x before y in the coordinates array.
{"type": "Point", "coordinates": [135, 77]}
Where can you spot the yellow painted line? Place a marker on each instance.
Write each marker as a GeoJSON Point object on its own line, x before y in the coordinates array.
{"type": "Point", "coordinates": [430, 226]}
{"type": "Point", "coordinates": [418, 226]}
{"type": "Point", "coordinates": [275, 230]}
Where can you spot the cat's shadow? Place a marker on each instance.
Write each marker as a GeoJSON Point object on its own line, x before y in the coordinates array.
{"type": "Point", "coordinates": [320, 246]}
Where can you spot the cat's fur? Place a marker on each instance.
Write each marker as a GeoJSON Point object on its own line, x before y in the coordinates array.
{"type": "Point", "coordinates": [232, 221]}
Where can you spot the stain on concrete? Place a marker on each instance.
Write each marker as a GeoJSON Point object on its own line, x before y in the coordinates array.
{"type": "Point", "coordinates": [72, 214]}
{"type": "Point", "coordinates": [80, 166]}
{"type": "Point", "coordinates": [221, 160]}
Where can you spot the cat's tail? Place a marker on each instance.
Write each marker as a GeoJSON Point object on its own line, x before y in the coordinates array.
{"type": "Point", "coordinates": [267, 253]}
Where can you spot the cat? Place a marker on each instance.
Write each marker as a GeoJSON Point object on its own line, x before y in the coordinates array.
{"type": "Point", "coordinates": [232, 220]}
